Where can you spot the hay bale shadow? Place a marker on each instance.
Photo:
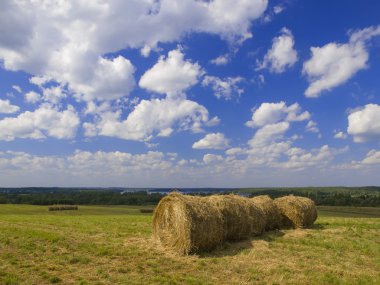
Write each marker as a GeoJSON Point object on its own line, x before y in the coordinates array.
{"type": "Point", "coordinates": [236, 248]}
{"type": "Point", "coordinates": [317, 226]}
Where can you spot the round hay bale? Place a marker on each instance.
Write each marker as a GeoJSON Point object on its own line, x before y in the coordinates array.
{"type": "Point", "coordinates": [270, 209]}
{"type": "Point", "coordinates": [187, 224]}
{"type": "Point", "coordinates": [242, 218]}
{"type": "Point", "coordinates": [190, 224]}
{"type": "Point", "coordinates": [296, 212]}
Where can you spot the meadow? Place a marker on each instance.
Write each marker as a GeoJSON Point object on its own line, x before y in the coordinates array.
{"type": "Point", "coordinates": [113, 245]}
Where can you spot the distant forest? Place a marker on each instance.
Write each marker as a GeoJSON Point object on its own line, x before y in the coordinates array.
{"type": "Point", "coordinates": [329, 196]}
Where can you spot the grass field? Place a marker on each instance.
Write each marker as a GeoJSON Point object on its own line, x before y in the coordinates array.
{"type": "Point", "coordinates": [113, 245]}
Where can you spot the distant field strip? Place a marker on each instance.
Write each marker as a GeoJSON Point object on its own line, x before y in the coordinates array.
{"type": "Point", "coordinates": [364, 212]}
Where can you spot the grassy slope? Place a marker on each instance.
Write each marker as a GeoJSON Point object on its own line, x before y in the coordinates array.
{"type": "Point", "coordinates": [112, 245]}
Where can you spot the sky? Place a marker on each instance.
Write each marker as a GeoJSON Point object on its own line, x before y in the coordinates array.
{"type": "Point", "coordinates": [189, 93]}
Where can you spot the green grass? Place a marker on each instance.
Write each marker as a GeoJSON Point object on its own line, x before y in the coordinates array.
{"type": "Point", "coordinates": [112, 245]}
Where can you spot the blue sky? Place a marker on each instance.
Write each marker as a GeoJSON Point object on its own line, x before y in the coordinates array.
{"type": "Point", "coordinates": [189, 93]}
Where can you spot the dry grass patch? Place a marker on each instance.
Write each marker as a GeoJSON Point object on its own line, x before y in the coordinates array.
{"type": "Point", "coordinates": [105, 248]}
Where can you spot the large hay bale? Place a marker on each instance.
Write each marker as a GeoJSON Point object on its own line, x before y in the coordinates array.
{"type": "Point", "coordinates": [270, 209]}
{"type": "Point", "coordinates": [187, 223]}
{"type": "Point", "coordinates": [241, 217]}
{"type": "Point", "coordinates": [190, 224]}
{"type": "Point", "coordinates": [296, 212]}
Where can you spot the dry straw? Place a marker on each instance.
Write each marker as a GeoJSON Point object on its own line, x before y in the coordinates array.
{"type": "Point", "coordinates": [270, 209]}
{"type": "Point", "coordinates": [296, 212]}
{"type": "Point", "coordinates": [190, 224]}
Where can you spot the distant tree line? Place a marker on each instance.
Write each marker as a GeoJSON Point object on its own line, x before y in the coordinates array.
{"type": "Point", "coordinates": [118, 197]}
{"type": "Point", "coordinates": [330, 198]}
{"type": "Point", "coordinates": [83, 198]}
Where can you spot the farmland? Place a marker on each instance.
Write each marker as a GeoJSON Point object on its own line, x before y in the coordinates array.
{"type": "Point", "coordinates": [113, 245]}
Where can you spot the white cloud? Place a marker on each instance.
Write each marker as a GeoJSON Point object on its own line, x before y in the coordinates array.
{"type": "Point", "coordinates": [225, 88]}
{"type": "Point", "coordinates": [53, 94]}
{"type": "Point", "coordinates": [212, 158]}
{"type": "Point", "coordinates": [110, 79]}
{"type": "Point", "coordinates": [17, 88]}
{"type": "Point", "coordinates": [268, 134]}
{"type": "Point", "coordinates": [333, 64]}
{"type": "Point", "coordinates": [373, 157]}
{"type": "Point", "coordinates": [312, 127]}
{"type": "Point", "coordinates": [156, 117]}
{"type": "Point", "coordinates": [171, 75]}
{"type": "Point", "coordinates": [39, 80]}
{"type": "Point", "coordinates": [270, 113]}
{"type": "Point", "coordinates": [116, 168]}
{"type": "Point", "coordinates": [235, 151]}
{"type": "Point", "coordinates": [221, 60]}
{"type": "Point", "coordinates": [7, 108]}
{"type": "Point", "coordinates": [340, 135]}
{"type": "Point", "coordinates": [65, 41]}
{"type": "Point", "coordinates": [212, 141]}
{"type": "Point", "coordinates": [316, 157]}
{"type": "Point", "coordinates": [87, 168]}
{"type": "Point", "coordinates": [41, 123]}
{"type": "Point", "coordinates": [270, 146]}
{"type": "Point", "coordinates": [32, 97]}
{"type": "Point", "coordinates": [278, 9]}
{"type": "Point", "coordinates": [281, 55]}
{"type": "Point", "coordinates": [364, 124]}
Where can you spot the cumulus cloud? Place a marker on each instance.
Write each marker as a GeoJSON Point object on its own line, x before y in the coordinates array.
{"type": "Point", "coordinates": [171, 75]}
{"type": "Point", "coordinates": [372, 157]}
{"type": "Point", "coordinates": [235, 151]}
{"type": "Point", "coordinates": [212, 141]}
{"type": "Point", "coordinates": [115, 168]}
{"type": "Point", "coordinates": [110, 79]}
{"type": "Point", "coordinates": [340, 135]}
{"type": "Point", "coordinates": [269, 145]}
{"type": "Point", "coordinates": [281, 55]}
{"type": "Point", "coordinates": [225, 88]}
{"type": "Point", "coordinates": [364, 123]}
{"type": "Point", "coordinates": [221, 60]}
{"type": "Point", "coordinates": [32, 97]}
{"type": "Point", "coordinates": [271, 113]}
{"type": "Point", "coordinates": [278, 9]}
{"type": "Point", "coordinates": [7, 108]}
{"type": "Point", "coordinates": [53, 94]}
{"type": "Point", "coordinates": [87, 168]}
{"type": "Point", "coordinates": [312, 127]}
{"type": "Point", "coordinates": [66, 41]}
{"type": "Point", "coordinates": [317, 157]}
{"type": "Point", "coordinates": [268, 134]}
{"type": "Point", "coordinates": [212, 158]}
{"type": "Point", "coordinates": [156, 117]}
{"type": "Point", "coordinates": [334, 64]}
{"type": "Point", "coordinates": [17, 88]}
{"type": "Point", "coordinates": [41, 123]}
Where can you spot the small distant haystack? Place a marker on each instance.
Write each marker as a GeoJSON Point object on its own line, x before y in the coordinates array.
{"type": "Point", "coordinates": [63, 208]}
{"type": "Point", "coordinates": [296, 212]}
{"type": "Point", "coordinates": [190, 224]}
{"type": "Point", "coordinates": [270, 209]}
{"type": "Point", "coordinates": [146, 210]}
